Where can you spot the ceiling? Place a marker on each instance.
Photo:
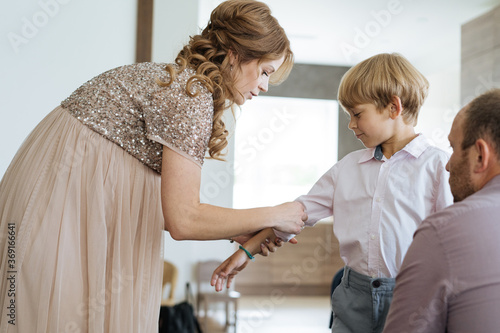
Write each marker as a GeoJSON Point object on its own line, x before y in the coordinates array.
{"type": "Point", "coordinates": [339, 32]}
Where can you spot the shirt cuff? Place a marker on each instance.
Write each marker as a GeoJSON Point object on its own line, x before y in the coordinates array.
{"type": "Point", "coordinates": [283, 235]}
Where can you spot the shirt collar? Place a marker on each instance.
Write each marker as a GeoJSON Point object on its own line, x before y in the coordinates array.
{"type": "Point", "coordinates": [495, 181]}
{"type": "Point", "coordinates": [415, 148]}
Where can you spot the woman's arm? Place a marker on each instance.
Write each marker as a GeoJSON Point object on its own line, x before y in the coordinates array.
{"type": "Point", "coordinates": [187, 218]}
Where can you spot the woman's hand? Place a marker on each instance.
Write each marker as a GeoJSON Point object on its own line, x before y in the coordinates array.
{"type": "Point", "coordinates": [290, 217]}
{"type": "Point", "coordinates": [225, 273]}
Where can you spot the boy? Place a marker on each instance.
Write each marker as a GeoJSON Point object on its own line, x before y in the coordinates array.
{"type": "Point", "coordinates": [378, 196]}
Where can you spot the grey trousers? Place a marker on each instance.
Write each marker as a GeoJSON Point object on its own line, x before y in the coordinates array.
{"type": "Point", "coordinates": [360, 303]}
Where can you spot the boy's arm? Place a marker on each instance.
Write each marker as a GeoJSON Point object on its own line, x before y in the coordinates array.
{"type": "Point", "coordinates": [263, 242]}
{"type": "Point", "coordinates": [318, 203]}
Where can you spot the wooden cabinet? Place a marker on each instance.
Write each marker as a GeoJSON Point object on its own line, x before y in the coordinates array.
{"type": "Point", "coordinates": [306, 268]}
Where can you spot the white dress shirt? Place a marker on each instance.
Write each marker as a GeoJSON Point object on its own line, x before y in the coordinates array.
{"type": "Point", "coordinates": [378, 203]}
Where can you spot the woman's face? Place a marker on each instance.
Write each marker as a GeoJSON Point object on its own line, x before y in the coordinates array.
{"type": "Point", "coordinates": [253, 77]}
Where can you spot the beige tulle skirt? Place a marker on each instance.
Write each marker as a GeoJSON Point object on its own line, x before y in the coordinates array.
{"type": "Point", "coordinates": [81, 240]}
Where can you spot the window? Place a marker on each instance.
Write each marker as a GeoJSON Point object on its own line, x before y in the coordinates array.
{"type": "Point", "coordinates": [282, 147]}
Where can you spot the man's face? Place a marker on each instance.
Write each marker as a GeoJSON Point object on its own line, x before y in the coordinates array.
{"type": "Point", "coordinates": [459, 166]}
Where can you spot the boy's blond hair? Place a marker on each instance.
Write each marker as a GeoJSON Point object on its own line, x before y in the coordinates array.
{"type": "Point", "coordinates": [377, 79]}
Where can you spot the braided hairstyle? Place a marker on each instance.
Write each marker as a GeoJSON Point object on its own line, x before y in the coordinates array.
{"type": "Point", "coordinates": [246, 28]}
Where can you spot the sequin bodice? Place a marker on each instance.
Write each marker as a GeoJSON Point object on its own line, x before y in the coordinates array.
{"type": "Point", "coordinates": [128, 107]}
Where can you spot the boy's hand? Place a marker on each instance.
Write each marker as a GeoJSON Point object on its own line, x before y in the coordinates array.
{"type": "Point", "coordinates": [267, 246]}
{"type": "Point", "coordinates": [228, 270]}
{"type": "Point", "coordinates": [271, 246]}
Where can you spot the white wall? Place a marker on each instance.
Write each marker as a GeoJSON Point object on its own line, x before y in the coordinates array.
{"type": "Point", "coordinates": [50, 47]}
{"type": "Point", "coordinates": [441, 106]}
{"type": "Point", "coordinates": [172, 28]}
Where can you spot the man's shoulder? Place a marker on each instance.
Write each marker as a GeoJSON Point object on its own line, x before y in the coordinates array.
{"type": "Point", "coordinates": [471, 208]}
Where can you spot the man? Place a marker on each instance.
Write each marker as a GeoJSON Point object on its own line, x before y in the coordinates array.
{"type": "Point", "coordinates": [450, 278]}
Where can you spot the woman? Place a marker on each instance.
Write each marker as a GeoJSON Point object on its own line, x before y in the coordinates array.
{"type": "Point", "coordinates": [83, 203]}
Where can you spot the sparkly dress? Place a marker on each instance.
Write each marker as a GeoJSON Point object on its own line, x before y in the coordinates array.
{"type": "Point", "coordinates": [80, 208]}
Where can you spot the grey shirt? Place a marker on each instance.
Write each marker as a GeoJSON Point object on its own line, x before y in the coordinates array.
{"type": "Point", "coordinates": [450, 277]}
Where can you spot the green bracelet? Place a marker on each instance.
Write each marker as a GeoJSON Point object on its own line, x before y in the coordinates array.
{"type": "Point", "coordinates": [248, 253]}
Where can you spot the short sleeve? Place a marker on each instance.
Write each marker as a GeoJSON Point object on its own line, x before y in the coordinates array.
{"type": "Point", "coordinates": [179, 121]}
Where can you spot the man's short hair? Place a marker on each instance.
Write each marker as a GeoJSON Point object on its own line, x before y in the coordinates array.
{"type": "Point", "coordinates": [377, 79]}
{"type": "Point", "coordinates": [482, 120]}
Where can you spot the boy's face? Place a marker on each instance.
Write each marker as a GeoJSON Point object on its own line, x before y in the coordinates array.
{"type": "Point", "coordinates": [373, 127]}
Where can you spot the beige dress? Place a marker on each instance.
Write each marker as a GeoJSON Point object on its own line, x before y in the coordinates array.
{"type": "Point", "coordinates": [80, 208]}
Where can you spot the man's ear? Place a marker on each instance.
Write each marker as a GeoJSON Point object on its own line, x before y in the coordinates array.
{"type": "Point", "coordinates": [395, 107]}
{"type": "Point", "coordinates": [483, 155]}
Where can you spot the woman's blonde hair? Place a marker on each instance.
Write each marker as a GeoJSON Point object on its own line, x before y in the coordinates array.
{"type": "Point", "coordinates": [377, 79]}
{"type": "Point", "coordinates": [247, 29]}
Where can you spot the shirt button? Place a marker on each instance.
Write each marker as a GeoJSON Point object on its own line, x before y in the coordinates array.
{"type": "Point", "coordinates": [378, 199]}
{"type": "Point", "coordinates": [372, 236]}
{"type": "Point", "coordinates": [376, 284]}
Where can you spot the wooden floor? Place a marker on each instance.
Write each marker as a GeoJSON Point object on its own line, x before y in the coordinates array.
{"type": "Point", "coordinates": [264, 314]}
